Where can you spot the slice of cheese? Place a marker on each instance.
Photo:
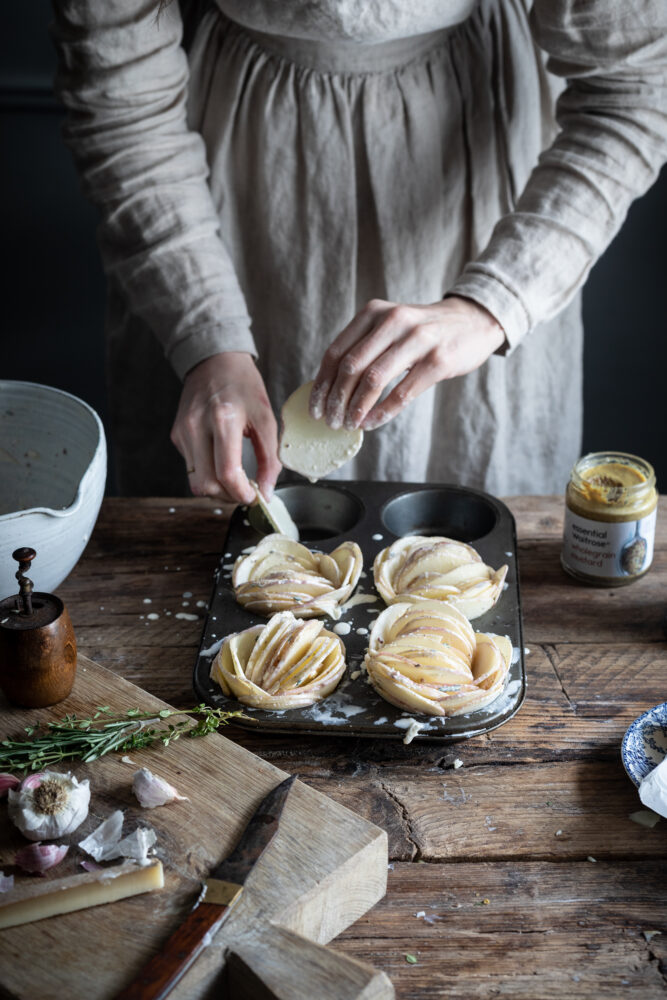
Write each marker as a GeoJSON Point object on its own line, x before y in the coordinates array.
{"type": "Point", "coordinates": [310, 446]}
{"type": "Point", "coordinates": [39, 899]}
{"type": "Point", "coordinates": [277, 514]}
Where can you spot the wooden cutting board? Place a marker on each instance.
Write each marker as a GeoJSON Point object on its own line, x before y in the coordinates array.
{"type": "Point", "coordinates": [325, 868]}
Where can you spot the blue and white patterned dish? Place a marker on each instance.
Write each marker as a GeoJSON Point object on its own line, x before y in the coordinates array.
{"type": "Point", "coordinates": [645, 743]}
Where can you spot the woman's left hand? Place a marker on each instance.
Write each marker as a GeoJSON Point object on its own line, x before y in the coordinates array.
{"type": "Point", "coordinates": [385, 340]}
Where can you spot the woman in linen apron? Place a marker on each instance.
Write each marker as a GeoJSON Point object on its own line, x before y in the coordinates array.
{"type": "Point", "coordinates": [350, 191]}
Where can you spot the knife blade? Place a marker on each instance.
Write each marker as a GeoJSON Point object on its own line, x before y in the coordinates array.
{"type": "Point", "coordinates": [220, 891]}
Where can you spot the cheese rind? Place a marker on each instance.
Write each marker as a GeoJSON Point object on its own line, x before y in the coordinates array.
{"type": "Point", "coordinates": [78, 892]}
{"type": "Point", "coordinates": [310, 446]}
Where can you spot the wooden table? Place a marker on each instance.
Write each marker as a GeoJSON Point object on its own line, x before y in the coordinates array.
{"type": "Point", "coordinates": [518, 874]}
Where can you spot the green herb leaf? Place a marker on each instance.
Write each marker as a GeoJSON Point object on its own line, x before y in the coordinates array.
{"type": "Point", "coordinates": [88, 739]}
{"type": "Point", "coordinates": [411, 959]}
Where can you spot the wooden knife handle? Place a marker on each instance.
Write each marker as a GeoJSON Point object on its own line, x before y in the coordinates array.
{"type": "Point", "coordinates": [163, 971]}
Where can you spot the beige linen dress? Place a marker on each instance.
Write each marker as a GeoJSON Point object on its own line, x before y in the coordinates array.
{"type": "Point", "coordinates": [308, 156]}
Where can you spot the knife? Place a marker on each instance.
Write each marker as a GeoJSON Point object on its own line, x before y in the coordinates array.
{"type": "Point", "coordinates": [221, 890]}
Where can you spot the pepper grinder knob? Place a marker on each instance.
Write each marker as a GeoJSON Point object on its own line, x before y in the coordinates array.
{"type": "Point", "coordinates": [24, 557]}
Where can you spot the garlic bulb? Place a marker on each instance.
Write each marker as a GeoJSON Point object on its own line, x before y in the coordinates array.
{"type": "Point", "coordinates": [38, 858]}
{"type": "Point", "coordinates": [283, 575]}
{"type": "Point", "coordinates": [49, 805]}
{"type": "Point", "coordinates": [419, 568]}
{"type": "Point", "coordinates": [153, 791]}
{"type": "Point", "coordinates": [284, 664]}
{"type": "Point", "coordinates": [425, 658]}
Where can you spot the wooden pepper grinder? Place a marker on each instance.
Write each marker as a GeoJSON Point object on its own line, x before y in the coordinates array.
{"type": "Point", "coordinates": [37, 643]}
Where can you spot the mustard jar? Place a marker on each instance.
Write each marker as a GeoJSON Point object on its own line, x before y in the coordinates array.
{"type": "Point", "coordinates": [610, 512]}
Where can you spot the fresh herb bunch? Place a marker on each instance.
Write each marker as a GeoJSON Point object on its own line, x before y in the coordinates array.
{"type": "Point", "coordinates": [89, 739]}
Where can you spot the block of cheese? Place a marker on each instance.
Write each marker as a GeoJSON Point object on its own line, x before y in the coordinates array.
{"type": "Point", "coordinates": [310, 446]}
{"type": "Point", "coordinates": [36, 898]}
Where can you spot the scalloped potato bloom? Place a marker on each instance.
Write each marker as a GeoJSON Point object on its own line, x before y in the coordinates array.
{"type": "Point", "coordinates": [419, 568]}
{"type": "Point", "coordinates": [283, 575]}
{"type": "Point", "coordinates": [425, 657]}
{"type": "Point", "coordinates": [286, 663]}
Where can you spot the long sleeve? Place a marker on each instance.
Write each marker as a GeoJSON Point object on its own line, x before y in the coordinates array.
{"type": "Point", "coordinates": [123, 77]}
{"type": "Point", "coordinates": [612, 117]}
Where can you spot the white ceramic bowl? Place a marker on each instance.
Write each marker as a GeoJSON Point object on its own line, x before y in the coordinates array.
{"type": "Point", "coordinates": [53, 465]}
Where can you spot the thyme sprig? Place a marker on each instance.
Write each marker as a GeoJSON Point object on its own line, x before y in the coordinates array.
{"type": "Point", "coordinates": [104, 732]}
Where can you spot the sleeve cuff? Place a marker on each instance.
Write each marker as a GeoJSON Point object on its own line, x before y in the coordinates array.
{"type": "Point", "coordinates": [482, 286]}
{"type": "Point", "coordinates": [198, 345]}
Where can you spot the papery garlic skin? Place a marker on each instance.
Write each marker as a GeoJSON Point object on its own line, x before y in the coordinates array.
{"type": "Point", "coordinates": [435, 568]}
{"type": "Point", "coordinates": [137, 845]}
{"type": "Point", "coordinates": [50, 808]}
{"type": "Point", "coordinates": [101, 843]}
{"type": "Point", "coordinates": [153, 791]}
{"type": "Point", "coordinates": [426, 658]}
{"type": "Point", "coordinates": [283, 575]}
{"type": "Point", "coordinates": [285, 664]}
{"type": "Point", "coordinates": [105, 844]}
{"type": "Point", "coordinates": [38, 858]}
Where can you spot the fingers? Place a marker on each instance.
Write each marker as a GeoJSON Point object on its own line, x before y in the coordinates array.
{"type": "Point", "coordinates": [263, 432]}
{"type": "Point", "coordinates": [320, 402]}
{"type": "Point", "coordinates": [379, 345]}
{"type": "Point", "coordinates": [223, 400]}
{"type": "Point", "coordinates": [212, 449]}
{"type": "Point", "coordinates": [224, 460]}
{"type": "Point", "coordinates": [401, 356]}
{"type": "Point", "coordinates": [422, 377]}
{"type": "Point", "coordinates": [442, 340]}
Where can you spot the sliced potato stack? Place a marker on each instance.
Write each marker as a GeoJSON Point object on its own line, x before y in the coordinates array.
{"type": "Point", "coordinates": [419, 568]}
{"type": "Point", "coordinates": [426, 658]}
{"type": "Point", "coordinates": [286, 663]}
{"type": "Point", "coordinates": [282, 575]}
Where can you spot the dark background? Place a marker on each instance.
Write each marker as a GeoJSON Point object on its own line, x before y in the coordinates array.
{"type": "Point", "coordinates": [53, 287]}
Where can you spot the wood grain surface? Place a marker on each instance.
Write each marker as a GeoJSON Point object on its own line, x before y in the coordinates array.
{"type": "Point", "coordinates": [519, 873]}
{"type": "Point", "coordinates": [323, 869]}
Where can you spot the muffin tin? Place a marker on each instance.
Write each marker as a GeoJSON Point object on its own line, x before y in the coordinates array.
{"type": "Point", "coordinates": [373, 515]}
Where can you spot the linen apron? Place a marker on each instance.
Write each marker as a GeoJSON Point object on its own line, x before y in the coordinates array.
{"type": "Point", "coordinates": [365, 156]}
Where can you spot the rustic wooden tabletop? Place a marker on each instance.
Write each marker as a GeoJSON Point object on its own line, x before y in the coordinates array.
{"type": "Point", "coordinates": [517, 874]}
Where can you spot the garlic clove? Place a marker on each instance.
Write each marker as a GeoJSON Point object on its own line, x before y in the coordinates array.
{"type": "Point", "coordinates": [49, 805]}
{"type": "Point", "coordinates": [6, 882]}
{"type": "Point", "coordinates": [7, 781]}
{"type": "Point", "coordinates": [33, 780]}
{"type": "Point", "coordinates": [153, 791]}
{"type": "Point", "coordinates": [38, 858]}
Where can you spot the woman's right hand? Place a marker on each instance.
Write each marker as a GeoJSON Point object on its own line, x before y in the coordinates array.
{"type": "Point", "coordinates": [224, 400]}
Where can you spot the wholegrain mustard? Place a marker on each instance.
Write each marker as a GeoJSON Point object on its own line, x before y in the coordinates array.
{"type": "Point", "coordinates": [610, 512]}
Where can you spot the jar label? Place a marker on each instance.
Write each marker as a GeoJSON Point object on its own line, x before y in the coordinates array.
{"type": "Point", "coordinates": [610, 549]}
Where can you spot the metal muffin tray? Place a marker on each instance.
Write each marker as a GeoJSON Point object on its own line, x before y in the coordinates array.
{"type": "Point", "coordinates": [373, 515]}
